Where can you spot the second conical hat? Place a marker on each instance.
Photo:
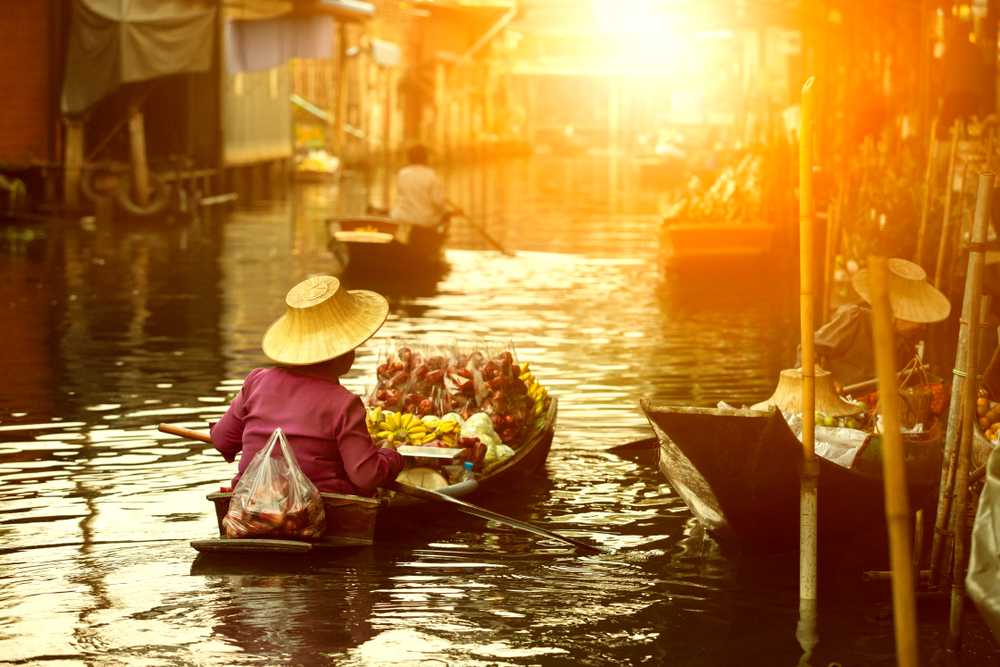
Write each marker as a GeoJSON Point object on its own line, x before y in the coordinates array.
{"type": "Point", "coordinates": [787, 397]}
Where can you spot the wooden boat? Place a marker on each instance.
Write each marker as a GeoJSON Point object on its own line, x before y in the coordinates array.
{"type": "Point", "coordinates": [739, 470]}
{"type": "Point", "coordinates": [381, 245]}
{"type": "Point", "coordinates": [710, 244]}
{"type": "Point", "coordinates": [351, 520]}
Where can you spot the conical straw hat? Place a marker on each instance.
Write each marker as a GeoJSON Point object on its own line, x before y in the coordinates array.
{"type": "Point", "coordinates": [323, 321]}
{"type": "Point", "coordinates": [912, 298]}
{"type": "Point", "coordinates": [787, 397]}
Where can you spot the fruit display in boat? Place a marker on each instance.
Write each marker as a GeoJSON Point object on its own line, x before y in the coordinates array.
{"type": "Point", "coordinates": [434, 382]}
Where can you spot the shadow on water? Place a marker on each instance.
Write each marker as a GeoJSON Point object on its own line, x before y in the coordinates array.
{"type": "Point", "coordinates": [111, 329]}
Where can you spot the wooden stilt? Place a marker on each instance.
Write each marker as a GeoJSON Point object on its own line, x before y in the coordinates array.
{"type": "Point", "coordinates": [73, 163]}
{"type": "Point", "coordinates": [137, 150]}
{"type": "Point", "coordinates": [897, 503]}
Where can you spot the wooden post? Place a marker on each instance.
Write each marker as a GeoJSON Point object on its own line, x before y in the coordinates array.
{"type": "Point", "coordinates": [340, 119]}
{"type": "Point", "coordinates": [137, 150]}
{"type": "Point", "coordinates": [810, 468]}
{"type": "Point", "coordinates": [73, 163]}
{"type": "Point", "coordinates": [975, 276]}
{"type": "Point", "coordinates": [928, 188]}
{"type": "Point", "coordinates": [946, 217]}
{"type": "Point", "coordinates": [828, 260]}
{"type": "Point", "coordinates": [897, 503]}
{"type": "Point", "coordinates": [387, 140]}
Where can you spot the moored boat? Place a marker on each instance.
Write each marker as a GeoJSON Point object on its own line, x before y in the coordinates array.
{"type": "Point", "coordinates": [351, 520]}
{"type": "Point", "coordinates": [738, 471]}
{"type": "Point", "coordinates": [710, 244]}
{"type": "Point", "coordinates": [381, 245]}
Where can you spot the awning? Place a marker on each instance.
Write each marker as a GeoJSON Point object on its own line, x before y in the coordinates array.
{"type": "Point", "coordinates": [344, 10]}
{"type": "Point", "coordinates": [257, 45]}
{"type": "Point", "coordinates": [113, 42]}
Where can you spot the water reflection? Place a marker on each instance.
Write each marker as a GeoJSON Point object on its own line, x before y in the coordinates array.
{"type": "Point", "coordinates": [123, 326]}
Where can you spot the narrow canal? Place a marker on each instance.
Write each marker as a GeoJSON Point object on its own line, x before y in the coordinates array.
{"type": "Point", "coordinates": [108, 331]}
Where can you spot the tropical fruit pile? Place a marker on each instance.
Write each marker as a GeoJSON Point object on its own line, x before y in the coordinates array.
{"type": "Point", "coordinates": [435, 382]}
{"type": "Point", "coordinates": [482, 403]}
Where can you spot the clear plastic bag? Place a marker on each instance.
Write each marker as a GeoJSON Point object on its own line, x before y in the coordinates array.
{"type": "Point", "coordinates": [274, 498]}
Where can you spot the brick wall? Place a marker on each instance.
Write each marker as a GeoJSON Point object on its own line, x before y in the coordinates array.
{"type": "Point", "coordinates": [26, 112]}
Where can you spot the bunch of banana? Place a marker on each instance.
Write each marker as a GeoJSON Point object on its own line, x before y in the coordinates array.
{"type": "Point", "coordinates": [402, 428]}
{"type": "Point", "coordinates": [536, 392]}
{"type": "Point", "coordinates": [445, 430]}
{"type": "Point", "coordinates": [372, 419]}
{"type": "Point", "coordinates": [407, 429]}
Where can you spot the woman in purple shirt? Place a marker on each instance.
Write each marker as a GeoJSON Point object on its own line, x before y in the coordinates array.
{"type": "Point", "coordinates": [313, 343]}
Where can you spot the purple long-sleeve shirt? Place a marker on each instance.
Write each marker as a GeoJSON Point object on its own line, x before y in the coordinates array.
{"type": "Point", "coordinates": [324, 424]}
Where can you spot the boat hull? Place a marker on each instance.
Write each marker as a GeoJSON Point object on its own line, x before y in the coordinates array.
{"type": "Point", "coordinates": [351, 521]}
{"type": "Point", "coordinates": [739, 472]}
{"type": "Point", "coordinates": [708, 244]}
{"type": "Point", "coordinates": [382, 246]}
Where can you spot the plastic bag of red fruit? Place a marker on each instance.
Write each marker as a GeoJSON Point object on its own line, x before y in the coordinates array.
{"type": "Point", "coordinates": [274, 498]}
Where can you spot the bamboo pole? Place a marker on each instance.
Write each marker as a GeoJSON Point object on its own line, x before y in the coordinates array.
{"type": "Point", "coordinates": [810, 468]}
{"type": "Point", "coordinates": [946, 216]}
{"type": "Point", "coordinates": [829, 252]}
{"type": "Point", "coordinates": [928, 187]}
{"type": "Point", "coordinates": [918, 539]}
{"type": "Point", "coordinates": [897, 502]}
{"type": "Point", "coordinates": [975, 276]}
{"type": "Point", "coordinates": [945, 488]}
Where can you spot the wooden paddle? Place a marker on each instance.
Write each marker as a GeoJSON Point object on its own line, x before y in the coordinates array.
{"type": "Point", "coordinates": [486, 235]}
{"type": "Point", "coordinates": [433, 496]}
{"type": "Point", "coordinates": [482, 513]}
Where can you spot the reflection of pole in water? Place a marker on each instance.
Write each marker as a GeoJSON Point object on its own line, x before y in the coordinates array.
{"type": "Point", "coordinates": [90, 572]}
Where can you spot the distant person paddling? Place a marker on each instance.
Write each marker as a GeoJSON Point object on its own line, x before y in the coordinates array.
{"type": "Point", "coordinates": [420, 193]}
{"type": "Point", "coordinates": [312, 345]}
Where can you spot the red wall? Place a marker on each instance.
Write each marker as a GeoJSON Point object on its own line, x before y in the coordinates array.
{"type": "Point", "coordinates": [25, 86]}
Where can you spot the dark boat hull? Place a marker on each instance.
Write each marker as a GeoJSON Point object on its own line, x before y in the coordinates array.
{"type": "Point", "coordinates": [393, 248]}
{"type": "Point", "coordinates": [739, 472]}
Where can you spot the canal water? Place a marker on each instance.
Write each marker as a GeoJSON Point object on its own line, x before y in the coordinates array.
{"type": "Point", "coordinates": [110, 329]}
